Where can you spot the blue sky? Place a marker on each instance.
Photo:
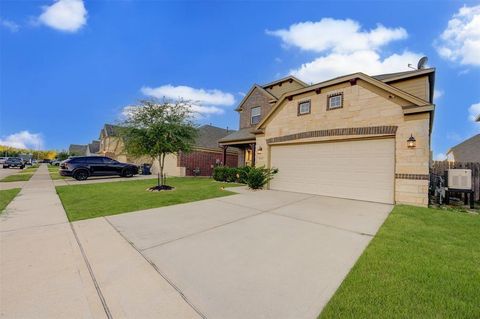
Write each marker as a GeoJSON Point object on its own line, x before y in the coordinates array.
{"type": "Point", "coordinates": [69, 66]}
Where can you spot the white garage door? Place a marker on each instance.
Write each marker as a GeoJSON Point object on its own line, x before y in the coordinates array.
{"type": "Point", "coordinates": [361, 170]}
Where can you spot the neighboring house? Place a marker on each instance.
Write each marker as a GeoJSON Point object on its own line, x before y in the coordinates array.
{"type": "Point", "coordinates": [467, 151]}
{"type": "Point", "coordinates": [205, 155]}
{"type": "Point", "coordinates": [93, 148]}
{"type": "Point", "coordinates": [345, 137]}
{"type": "Point", "coordinates": [77, 150]}
{"type": "Point", "coordinates": [111, 145]}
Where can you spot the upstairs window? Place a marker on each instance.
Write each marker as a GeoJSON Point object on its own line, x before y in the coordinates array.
{"type": "Point", "coordinates": [255, 115]}
{"type": "Point", "coordinates": [335, 101]}
{"type": "Point", "coordinates": [303, 108]}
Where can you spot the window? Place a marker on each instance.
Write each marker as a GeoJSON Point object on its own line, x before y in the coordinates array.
{"type": "Point", "coordinates": [255, 116]}
{"type": "Point", "coordinates": [335, 101]}
{"type": "Point", "coordinates": [107, 160]}
{"type": "Point", "coordinates": [303, 108]}
{"type": "Point", "coordinates": [93, 160]}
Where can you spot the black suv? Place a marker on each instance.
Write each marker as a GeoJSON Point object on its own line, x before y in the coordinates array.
{"type": "Point", "coordinates": [84, 166]}
{"type": "Point", "coordinates": [14, 162]}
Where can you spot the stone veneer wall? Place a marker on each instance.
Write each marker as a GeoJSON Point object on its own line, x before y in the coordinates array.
{"type": "Point", "coordinates": [364, 106]}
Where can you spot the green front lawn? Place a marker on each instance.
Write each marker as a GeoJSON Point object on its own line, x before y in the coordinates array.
{"type": "Point", "coordinates": [54, 174]}
{"type": "Point", "coordinates": [22, 175]}
{"type": "Point", "coordinates": [423, 263]}
{"type": "Point", "coordinates": [6, 196]}
{"type": "Point", "coordinates": [103, 199]}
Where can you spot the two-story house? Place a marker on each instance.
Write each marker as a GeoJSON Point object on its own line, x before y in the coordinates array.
{"type": "Point", "coordinates": [256, 104]}
{"type": "Point", "coordinates": [355, 136]}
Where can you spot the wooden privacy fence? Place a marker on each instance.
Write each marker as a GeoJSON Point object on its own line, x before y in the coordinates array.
{"type": "Point", "coordinates": [439, 167]}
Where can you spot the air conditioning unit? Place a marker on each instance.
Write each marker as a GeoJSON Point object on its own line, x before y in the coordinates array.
{"type": "Point", "coordinates": [460, 178]}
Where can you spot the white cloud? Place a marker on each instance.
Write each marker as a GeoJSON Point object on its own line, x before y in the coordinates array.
{"type": "Point", "coordinates": [64, 15]}
{"type": "Point", "coordinates": [454, 136]}
{"type": "Point", "coordinates": [23, 139]}
{"type": "Point", "coordinates": [474, 112]}
{"type": "Point", "coordinates": [203, 102]}
{"type": "Point", "coordinates": [340, 36]}
{"type": "Point", "coordinates": [10, 25]}
{"type": "Point", "coordinates": [438, 94]}
{"type": "Point", "coordinates": [460, 41]}
{"type": "Point", "coordinates": [201, 96]}
{"type": "Point", "coordinates": [345, 47]}
{"type": "Point", "coordinates": [440, 157]}
{"type": "Point", "coordinates": [369, 62]}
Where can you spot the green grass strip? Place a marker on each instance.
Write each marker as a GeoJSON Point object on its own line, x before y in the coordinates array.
{"type": "Point", "coordinates": [6, 196]}
{"type": "Point", "coordinates": [423, 263]}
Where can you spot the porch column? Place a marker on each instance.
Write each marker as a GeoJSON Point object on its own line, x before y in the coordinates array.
{"type": "Point", "coordinates": [252, 146]}
{"type": "Point", "coordinates": [224, 155]}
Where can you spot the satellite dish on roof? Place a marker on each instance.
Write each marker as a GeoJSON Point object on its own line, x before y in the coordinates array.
{"type": "Point", "coordinates": [422, 62]}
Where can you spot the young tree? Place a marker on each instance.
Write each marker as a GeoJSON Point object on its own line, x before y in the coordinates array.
{"type": "Point", "coordinates": [62, 155]}
{"type": "Point", "coordinates": [158, 128]}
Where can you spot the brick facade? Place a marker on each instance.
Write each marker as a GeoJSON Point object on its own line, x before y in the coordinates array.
{"type": "Point", "coordinates": [256, 98]}
{"type": "Point", "coordinates": [204, 161]}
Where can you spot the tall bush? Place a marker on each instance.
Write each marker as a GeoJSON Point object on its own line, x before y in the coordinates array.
{"type": "Point", "coordinates": [258, 177]}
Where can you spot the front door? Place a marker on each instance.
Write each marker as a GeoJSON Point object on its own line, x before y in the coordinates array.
{"type": "Point", "coordinates": [248, 157]}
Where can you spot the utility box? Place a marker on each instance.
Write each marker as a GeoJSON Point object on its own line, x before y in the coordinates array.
{"type": "Point", "coordinates": [460, 179]}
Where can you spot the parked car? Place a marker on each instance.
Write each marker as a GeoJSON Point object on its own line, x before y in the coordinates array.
{"type": "Point", "coordinates": [46, 161]}
{"type": "Point", "coordinates": [55, 163]}
{"type": "Point", "coordinates": [14, 162]}
{"type": "Point", "coordinates": [2, 160]}
{"type": "Point", "coordinates": [83, 167]}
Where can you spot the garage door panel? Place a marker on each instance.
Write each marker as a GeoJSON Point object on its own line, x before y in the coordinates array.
{"type": "Point", "coordinates": [355, 169]}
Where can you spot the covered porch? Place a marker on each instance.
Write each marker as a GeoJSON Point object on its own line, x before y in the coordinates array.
{"type": "Point", "coordinates": [244, 141]}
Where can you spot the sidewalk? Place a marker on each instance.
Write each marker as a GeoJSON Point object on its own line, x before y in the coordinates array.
{"type": "Point", "coordinates": [50, 268]}
{"type": "Point", "coordinates": [42, 271]}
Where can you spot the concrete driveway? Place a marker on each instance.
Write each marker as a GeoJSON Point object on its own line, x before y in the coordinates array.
{"type": "Point", "coordinates": [265, 254]}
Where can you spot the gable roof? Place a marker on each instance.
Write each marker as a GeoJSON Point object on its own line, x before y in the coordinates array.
{"type": "Point", "coordinates": [77, 149]}
{"type": "Point", "coordinates": [393, 77]}
{"type": "Point", "coordinates": [285, 79]}
{"type": "Point", "coordinates": [255, 86]}
{"type": "Point", "coordinates": [263, 87]}
{"type": "Point", "coordinates": [471, 142]}
{"type": "Point", "coordinates": [109, 130]}
{"type": "Point", "coordinates": [244, 134]}
{"type": "Point", "coordinates": [389, 77]}
{"type": "Point", "coordinates": [208, 136]}
{"type": "Point", "coordinates": [420, 105]}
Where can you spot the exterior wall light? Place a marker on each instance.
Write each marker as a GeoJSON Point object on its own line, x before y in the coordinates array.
{"type": "Point", "coordinates": [411, 142]}
{"type": "Point", "coordinates": [259, 151]}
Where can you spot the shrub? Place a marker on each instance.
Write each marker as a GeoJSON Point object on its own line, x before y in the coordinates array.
{"type": "Point", "coordinates": [219, 173]}
{"type": "Point", "coordinates": [231, 174]}
{"type": "Point", "coordinates": [243, 174]}
{"type": "Point", "coordinates": [258, 177]}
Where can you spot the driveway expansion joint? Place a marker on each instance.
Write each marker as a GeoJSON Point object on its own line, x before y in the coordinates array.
{"type": "Point", "coordinates": [324, 225]}
{"type": "Point", "coordinates": [224, 224]}
{"type": "Point", "coordinates": [31, 227]}
{"type": "Point", "coordinates": [168, 280]}
{"type": "Point", "coordinates": [92, 275]}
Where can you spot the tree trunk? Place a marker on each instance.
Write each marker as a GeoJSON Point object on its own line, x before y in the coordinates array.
{"type": "Point", "coordinates": [163, 164]}
{"type": "Point", "coordinates": [160, 173]}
